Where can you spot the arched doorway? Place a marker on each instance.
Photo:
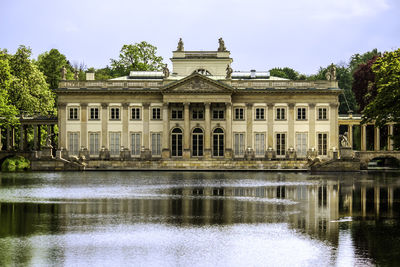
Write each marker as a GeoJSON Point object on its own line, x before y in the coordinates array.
{"type": "Point", "coordinates": [176, 142]}
{"type": "Point", "coordinates": [197, 142]}
{"type": "Point", "coordinates": [218, 143]}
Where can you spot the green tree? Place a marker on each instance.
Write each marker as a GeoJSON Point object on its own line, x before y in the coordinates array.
{"type": "Point", "coordinates": [357, 59]}
{"type": "Point", "coordinates": [51, 63]}
{"type": "Point", "coordinates": [287, 73]}
{"type": "Point", "coordinates": [8, 112]}
{"type": "Point", "coordinates": [139, 56]}
{"type": "Point", "coordinates": [28, 90]}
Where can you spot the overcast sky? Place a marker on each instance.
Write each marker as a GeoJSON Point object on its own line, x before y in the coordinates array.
{"type": "Point", "coordinates": [302, 34]}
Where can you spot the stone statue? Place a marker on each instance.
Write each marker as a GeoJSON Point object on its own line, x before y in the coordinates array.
{"type": "Point", "coordinates": [76, 75]}
{"type": "Point", "coordinates": [63, 73]}
{"type": "Point", "coordinates": [221, 47]}
{"type": "Point", "coordinates": [48, 140]}
{"type": "Point", "coordinates": [330, 74]}
{"type": "Point", "coordinates": [166, 71]}
{"type": "Point", "coordinates": [228, 72]}
{"type": "Point", "coordinates": [180, 45]}
{"type": "Point", "coordinates": [344, 141]}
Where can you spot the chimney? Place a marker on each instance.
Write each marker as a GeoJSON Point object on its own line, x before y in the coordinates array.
{"type": "Point", "coordinates": [252, 74]}
{"type": "Point", "coordinates": [89, 76]}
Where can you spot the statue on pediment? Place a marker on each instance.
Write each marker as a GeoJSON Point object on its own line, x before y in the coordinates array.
{"type": "Point", "coordinates": [221, 47]}
{"type": "Point", "coordinates": [228, 72]}
{"type": "Point", "coordinates": [166, 71]}
{"type": "Point", "coordinates": [180, 45]}
{"type": "Point", "coordinates": [63, 73]}
{"type": "Point", "coordinates": [330, 74]}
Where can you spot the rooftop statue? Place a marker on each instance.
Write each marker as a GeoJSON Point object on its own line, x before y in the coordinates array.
{"type": "Point", "coordinates": [330, 75]}
{"type": "Point", "coordinates": [166, 71]}
{"type": "Point", "coordinates": [180, 45]}
{"type": "Point", "coordinates": [221, 47]}
{"type": "Point", "coordinates": [63, 73]}
{"type": "Point", "coordinates": [228, 72]}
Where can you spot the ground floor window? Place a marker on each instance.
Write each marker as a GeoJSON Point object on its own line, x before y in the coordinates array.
{"type": "Point", "coordinates": [135, 144]}
{"type": "Point", "coordinates": [218, 142]}
{"type": "Point", "coordinates": [197, 142]}
{"type": "Point", "coordinates": [322, 144]}
{"type": "Point", "coordinates": [239, 144]}
{"type": "Point", "coordinates": [94, 145]}
{"type": "Point", "coordinates": [115, 143]}
{"type": "Point", "coordinates": [301, 144]}
{"type": "Point", "coordinates": [176, 142]}
{"type": "Point", "coordinates": [156, 144]}
{"type": "Point", "coordinates": [73, 143]}
{"type": "Point", "coordinates": [280, 144]}
{"type": "Point", "coordinates": [259, 144]}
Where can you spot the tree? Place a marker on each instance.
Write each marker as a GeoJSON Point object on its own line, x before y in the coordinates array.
{"type": "Point", "coordinates": [8, 112]}
{"type": "Point", "coordinates": [140, 56]}
{"type": "Point", "coordinates": [287, 73]}
{"type": "Point", "coordinates": [28, 90]}
{"type": "Point", "coordinates": [357, 59]}
{"type": "Point", "coordinates": [51, 63]}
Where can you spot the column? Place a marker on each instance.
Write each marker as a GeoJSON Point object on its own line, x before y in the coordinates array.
{"type": "Point", "coordinates": [228, 142]}
{"type": "Point", "coordinates": [311, 130]}
{"type": "Point", "coordinates": [39, 137]}
{"type": "Point", "coordinates": [35, 138]}
{"type": "Point", "coordinates": [83, 134]}
{"type": "Point", "coordinates": [350, 135]}
{"type": "Point", "coordinates": [21, 137]}
{"type": "Point", "coordinates": [207, 131]}
{"type": "Point", "coordinates": [377, 139]}
{"type": "Point", "coordinates": [270, 122]}
{"type": "Point", "coordinates": [8, 138]}
{"type": "Point", "coordinates": [363, 137]}
{"type": "Point", "coordinates": [104, 125]}
{"type": "Point", "coordinates": [390, 135]}
{"type": "Point", "coordinates": [334, 132]}
{"type": "Point", "coordinates": [291, 126]}
{"type": "Point", "coordinates": [62, 130]}
{"type": "Point", "coordinates": [186, 131]}
{"type": "Point", "coordinates": [249, 125]}
{"type": "Point", "coordinates": [165, 136]}
{"type": "Point", "coordinates": [146, 129]}
{"type": "Point", "coordinates": [125, 123]}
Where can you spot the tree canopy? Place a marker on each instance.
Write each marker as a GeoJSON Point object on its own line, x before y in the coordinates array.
{"type": "Point", "coordinates": [8, 111]}
{"type": "Point", "coordinates": [287, 73]}
{"type": "Point", "coordinates": [51, 63]}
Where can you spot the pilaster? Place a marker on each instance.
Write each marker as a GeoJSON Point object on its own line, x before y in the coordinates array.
{"type": "Point", "coordinates": [104, 125]}
{"type": "Point", "coordinates": [165, 136]}
{"type": "Point", "coordinates": [249, 125]}
{"type": "Point", "coordinates": [146, 129]}
{"type": "Point", "coordinates": [228, 143]}
{"type": "Point", "coordinates": [186, 131]}
{"type": "Point", "coordinates": [62, 130]}
{"type": "Point", "coordinates": [334, 138]}
{"type": "Point", "coordinates": [270, 123]}
{"type": "Point", "coordinates": [311, 119]}
{"type": "Point", "coordinates": [291, 126]}
{"type": "Point", "coordinates": [207, 131]}
{"type": "Point", "coordinates": [83, 116]}
{"type": "Point", "coordinates": [125, 123]}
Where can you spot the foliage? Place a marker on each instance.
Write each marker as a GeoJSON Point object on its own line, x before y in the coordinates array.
{"type": "Point", "coordinates": [356, 60]}
{"type": "Point", "coordinates": [287, 73]}
{"type": "Point", "coordinates": [8, 112]}
{"type": "Point", "coordinates": [51, 63]}
{"type": "Point", "coordinates": [385, 106]}
{"type": "Point", "coordinates": [139, 56]}
{"type": "Point", "coordinates": [16, 163]}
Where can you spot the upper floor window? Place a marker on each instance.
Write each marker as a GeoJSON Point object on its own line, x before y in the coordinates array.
{"type": "Point", "coordinates": [218, 113]}
{"type": "Point", "coordinates": [301, 113]}
{"type": "Point", "coordinates": [135, 114]}
{"type": "Point", "coordinates": [322, 113]}
{"type": "Point", "coordinates": [73, 113]}
{"type": "Point", "coordinates": [260, 113]}
{"type": "Point", "coordinates": [281, 113]}
{"type": "Point", "coordinates": [176, 114]}
{"type": "Point", "coordinates": [156, 113]}
{"type": "Point", "coordinates": [198, 113]}
{"type": "Point", "coordinates": [239, 113]}
{"type": "Point", "coordinates": [115, 113]}
{"type": "Point", "coordinates": [94, 113]}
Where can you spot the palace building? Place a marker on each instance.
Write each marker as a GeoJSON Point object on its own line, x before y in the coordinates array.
{"type": "Point", "coordinates": [201, 109]}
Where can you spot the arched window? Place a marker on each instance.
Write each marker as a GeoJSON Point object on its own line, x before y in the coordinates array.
{"type": "Point", "coordinates": [203, 72]}
{"type": "Point", "coordinates": [197, 142]}
{"type": "Point", "coordinates": [176, 142]}
{"type": "Point", "coordinates": [218, 143]}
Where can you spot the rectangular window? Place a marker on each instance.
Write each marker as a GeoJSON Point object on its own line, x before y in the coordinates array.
{"type": "Point", "coordinates": [156, 144]}
{"type": "Point", "coordinates": [135, 144]}
{"type": "Point", "coordinates": [135, 114]}
{"type": "Point", "coordinates": [280, 144]}
{"type": "Point", "coordinates": [322, 113]}
{"type": "Point", "coordinates": [260, 113]}
{"type": "Point", "coordinates": [156, 113]}
{"type": "Point", "coordinates": [260, 144]}
{"type": "Point", "coordinates": [323, 144]}
{"type": "Point", "coordinates": [197, 114]}
{"type": "Point", "coordinates": [114, 113]}
{"type": "Point", "coordinates": [115, 143]}
{"type": "Point", "coordinates": [301, 113]}
{"type": "Point", "coordinates": [239, 113]}
{"type": "Point", "coordinates": [281, 113]}
{"type": "Point", "coordinates": [73, 113]}
{"type": "Point", "coordinates": [301, 144]}
{"type": "Point", "coordinates": [73, 143]}
{"type": "Point", "coordinates": [176, 114]}
{"type": "Point", "coordinates": [94, 145]}
{"type": "Point", "coordinates": [218, 114]}
{"type": "Point", "coordinates": [239, 144]}
{"type": "Point", "coordinates": [94, 113]}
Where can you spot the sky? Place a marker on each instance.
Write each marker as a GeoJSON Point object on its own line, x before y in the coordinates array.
{"type": "Point", "coordinates": [260, 34]}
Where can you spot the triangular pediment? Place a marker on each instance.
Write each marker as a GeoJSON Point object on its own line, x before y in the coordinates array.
{"type": "Point", "coordinates": [197, 83]}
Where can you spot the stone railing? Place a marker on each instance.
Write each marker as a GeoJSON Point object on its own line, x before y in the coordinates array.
{"type": "Point", "coordinates": [254, 84]}
{"type": "Point", "coordinates": [109, 84]}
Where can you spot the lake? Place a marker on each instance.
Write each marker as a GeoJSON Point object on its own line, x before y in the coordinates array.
{"type": "Point", "coordinates": [199, 219]}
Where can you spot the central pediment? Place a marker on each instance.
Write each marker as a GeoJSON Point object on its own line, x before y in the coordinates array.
{"type": "Point", "coordinates": [197, 84]}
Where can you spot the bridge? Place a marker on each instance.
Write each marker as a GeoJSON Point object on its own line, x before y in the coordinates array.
{"type": "Point", "coordinates": [367, 156]}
